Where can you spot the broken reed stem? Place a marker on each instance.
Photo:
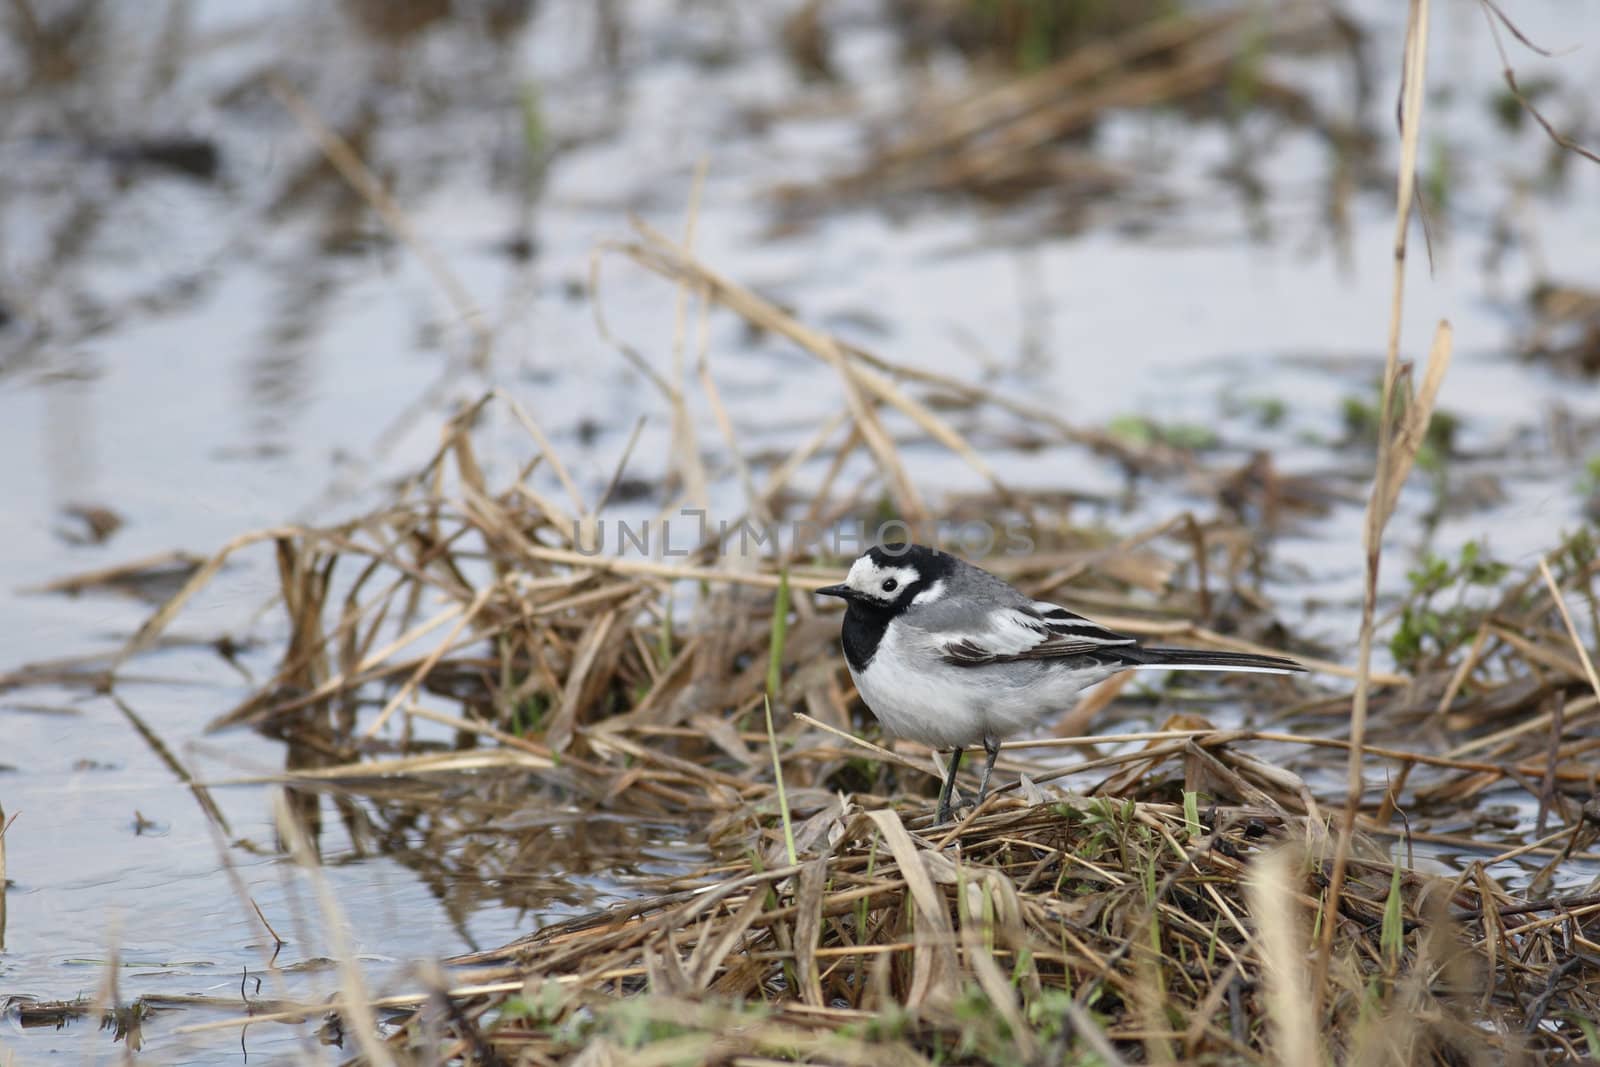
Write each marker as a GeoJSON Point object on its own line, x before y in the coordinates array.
{"type": "Point", "coordinates": [1572, 630]}
{"type": "Point", "coordinates": [650, 568]}
{"type": "Point", "coordinates": [780, 631]}
{"type": "Point", "coordinates": [1415, 67]}
{"type": "Point", "coordinates": [359, 1013]}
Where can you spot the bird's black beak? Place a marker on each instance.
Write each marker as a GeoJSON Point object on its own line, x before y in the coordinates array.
{"type": "Point", "coordinates": [843, 592]}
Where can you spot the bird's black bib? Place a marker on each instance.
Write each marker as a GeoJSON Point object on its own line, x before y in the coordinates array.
{"type": "Point", "coordinates": [861, 633]}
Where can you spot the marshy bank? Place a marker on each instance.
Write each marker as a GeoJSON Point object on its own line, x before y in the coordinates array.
{"type": "Point", "coordinates": [1082, 279]}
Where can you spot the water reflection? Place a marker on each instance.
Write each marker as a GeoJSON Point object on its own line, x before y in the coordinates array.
{"type": "Point", "coordinates": [501, 840]}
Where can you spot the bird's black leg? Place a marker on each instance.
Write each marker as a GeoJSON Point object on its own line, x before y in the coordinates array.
{"type": "Point", "coordinates": [948, 790]}
{"type": "Point", "coordinates": [992, 747]}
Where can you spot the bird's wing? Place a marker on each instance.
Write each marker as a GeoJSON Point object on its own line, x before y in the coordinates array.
{"type": "Point", "coordinates": [1036, 631]}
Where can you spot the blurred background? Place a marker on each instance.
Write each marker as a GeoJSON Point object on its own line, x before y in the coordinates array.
{"type": "Point", "coordinates": [253, 255]}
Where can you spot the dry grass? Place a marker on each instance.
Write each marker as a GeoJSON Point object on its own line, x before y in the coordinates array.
{"type": "Point", "coordinates": [1120, 918]}
{"type": "Point", "coordinates": [495, 705]}
{"type": "Point", "coordinates": [1010, 136]}
{"type": "Point", "coordinates": [1400, 436]}
{"type": "Point", "coordinates": [881, 943]}
{"type": "Point", "coordinates": [591, 711]}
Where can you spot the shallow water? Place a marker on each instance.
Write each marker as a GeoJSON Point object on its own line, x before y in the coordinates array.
{"type": "Point", "coordinates": [209, 357]}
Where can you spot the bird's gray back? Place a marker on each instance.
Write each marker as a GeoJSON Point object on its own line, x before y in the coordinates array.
{"type": "Point", "coordinates": [970, 596]}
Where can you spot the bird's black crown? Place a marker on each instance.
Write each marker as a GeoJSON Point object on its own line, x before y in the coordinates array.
{"type": "Point", "coordinates": [931, 563]}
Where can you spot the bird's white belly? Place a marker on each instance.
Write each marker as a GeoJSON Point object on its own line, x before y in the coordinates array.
{"type": "Point", "coordinates": [916, 695]}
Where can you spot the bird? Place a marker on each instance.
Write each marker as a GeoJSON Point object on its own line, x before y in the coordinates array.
{"type": "Point", "coordinates": [945, 653]}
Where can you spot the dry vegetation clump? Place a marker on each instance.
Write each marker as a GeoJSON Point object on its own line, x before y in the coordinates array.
{"type": "Point", "coordinates": [1017, 34]}
{"type": "Point", "coordinates": [1565, 329]}
{"type": "Point", "coordinates": [1006, 135]}
{"type": "Point", "coordinates": [1078, 929]}
{"type": "Point", "coordinates": [786, 897]}
{"type": "Point", "coordinates": [493, 611]}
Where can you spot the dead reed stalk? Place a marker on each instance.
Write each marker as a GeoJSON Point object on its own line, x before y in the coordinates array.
{"type": "Point", "coordinates": [1400, 434]}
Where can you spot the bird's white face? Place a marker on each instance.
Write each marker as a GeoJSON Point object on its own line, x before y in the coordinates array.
{"type": "Point", "coordinates": [881, 583]}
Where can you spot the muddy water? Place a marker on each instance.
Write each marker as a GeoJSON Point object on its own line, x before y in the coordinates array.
{"type": "Point", "coordinates": [206, 353]}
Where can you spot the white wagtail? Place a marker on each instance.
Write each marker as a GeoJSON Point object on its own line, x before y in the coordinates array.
{"type": "Point", "coordinates": [947, 654]}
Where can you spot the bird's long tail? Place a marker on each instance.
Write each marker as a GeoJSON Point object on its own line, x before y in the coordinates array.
{"type": "Point", "coordinates": [1194, 659]}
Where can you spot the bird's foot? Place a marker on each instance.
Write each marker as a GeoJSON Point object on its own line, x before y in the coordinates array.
{"type": "Point", "coordinates": [958, 807]}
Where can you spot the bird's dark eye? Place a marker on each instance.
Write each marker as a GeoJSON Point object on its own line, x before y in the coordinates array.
{"type": "Point", "coordinates": [890, 585]}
